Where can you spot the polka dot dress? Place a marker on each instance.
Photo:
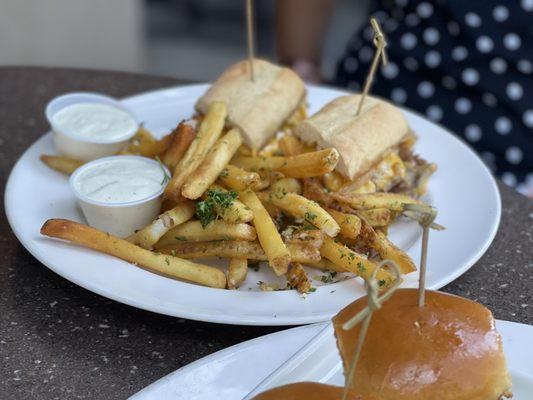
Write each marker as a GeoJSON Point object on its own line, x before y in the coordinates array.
{"type": "Point", "coordinates": [467, 65]}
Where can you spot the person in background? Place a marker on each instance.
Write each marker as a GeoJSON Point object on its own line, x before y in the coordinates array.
{"type": "Point", "coordinates": [467, 65]}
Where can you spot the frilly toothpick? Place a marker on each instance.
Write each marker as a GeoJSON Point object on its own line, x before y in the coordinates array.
{"type": "Point", "coordinates": [375, 299]}
{"type": "Point", "coordinates": [380, 54]}
{"type": "Point", "coordinates": [250, 36]}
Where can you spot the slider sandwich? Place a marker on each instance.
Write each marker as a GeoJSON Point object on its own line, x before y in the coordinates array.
{"type": "Point", "coordinates": [258, 108]}
{"type": "Point", "coordinates": [447, 350]}
{"type": "Point", "coordinates": [375, 147]}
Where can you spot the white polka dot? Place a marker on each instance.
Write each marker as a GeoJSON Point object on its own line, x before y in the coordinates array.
{"type": "Point", "coordinates": [514, 155]}
{"type": "Point", "coordinates": [432, 59]}
{"type": "Point", "coordinates": [408, 41]}
{"type": "Point", "coordinates": [512, 41]}
{"type": "Point", "coordinates": [425, 89]}
{"type": "Point", "coordinates": [390, 71]}
{"type": "Point", "coordinates": [434, 112]}
{"type": "Point", "coordinates": [412, 20]}
{"type": "Point", "coordinates": [366, 54]}
{"type": "Point", "coordinates": [390, 25]}
{"type": "Point", "coordinates": [453, 28]}
{"type": "Point", "coordinates": [398, 95]}
{"type": "Point", "coordinates": [500, 13]}
{"type": "Point", "coordinates": [449, 83]}
{"type": "Point", "coordinates": [484, 44]}
{"type": "Point", "coordinates": [503, 125]}
{"type": "Point", "coordinates": [424, 10]}
{"type": "Point", "coordinates": [498, 65]}
{"type": "Point", "coordinates": [528, 118]}
{"type": "Point", "coordinates": [527, 5]}
{"type": "Point", "coordinates": [525, 66]}
{"type": "Point", "coordinates": [514, 91]}
{"type": "Point", "coordinates": [509, 178]}
{"type": "Point", "coordinates": [431, 36]}
{"type": "Point", "coordinates": [459, 53]}
{"type": "Point", "coordinates": [351, 65]}
{"type": "Point", "coordinates": [410, 64]}
{"type": "Point", "coordinates": [489, 99]}
{"type": "Point", "coordinates": [472, 20]}
{"type": "Point", "coordinates": [463, 105]}
{"type": "Point", "coordinates": [470, 76]}
{"type": "Point", "coordinates": [473, 132]}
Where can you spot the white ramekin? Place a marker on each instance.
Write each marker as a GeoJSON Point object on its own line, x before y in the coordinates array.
{"type": "Point", "coordinates": [82, 148]}
{"type": "Point", "coordinates": [119, 219]}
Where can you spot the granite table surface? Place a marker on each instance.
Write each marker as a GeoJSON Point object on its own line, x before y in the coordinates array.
{"type": "Point", "coordinates": [59, 341]}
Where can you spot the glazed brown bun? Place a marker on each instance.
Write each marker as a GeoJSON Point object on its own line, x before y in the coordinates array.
{"type": "Point", "coordinates": [362, 141]}
{"type": "Point", "coordinates": [305, 391]}
{"type": "Point", "coordinates": [257, 108]}
{"type": "Point", "coordinates": [448, 349]}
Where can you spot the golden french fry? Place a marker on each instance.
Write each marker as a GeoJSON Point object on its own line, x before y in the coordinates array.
{"type": "Point", "coordinates": [353, 262]}
{"type": "Point", "coordinates": [278, 254]}
{"type": "Point", "coordinates": [181, 139]}
{"type": "Point", "coordinates": [237, 271]}
{"type": "Point", "coordinates": [333, 181]}
{"type": "Point", "coordinates": [301, 207]}
{"type": "Point", "coordinates": [238, 249]}
{"type": "Point", "coordinates": [215, 161]}
{"type": "Point", "coordinates": [325, 265]}
{"type": "Point", "coordinates": [302, 235]}
{"type": "Point", "coordinates": [376, 217]}
{"type": "Point", "coordinates": [151, 234]}
{"type": "Point", "coordinates": [371, 201]}
{"type": "Point", "coordinates": [305, 165]}
{"type": "Point", "coordinates": [238, 179]}
{"type": "Point", "coordinates": [298, 279]}
{"type": "Point", "coordinates": [192, 231]}
{"type": "Point", "coordinates": [386, 250]}
{"type": "Point", "coordinates": [61, 164]}
{"type": "Point", "coordinates": [286, 185]}
{"type": "Point", "coordinates": [235, 213]}
{"type": "Point", "coordinates": [271, 148]}
{"type": "Point", "coordinates": [142, 136]}
{"type": "Point", "coordinates": [244, 150]}
{"type": "Point", "coordinates": [208, 133]}
{"type": "Point", "coordinates": [290, 145]}
{"type": "Point", "coordinates": [161, 263]}
{"type": "Point", "coordinates": [350, 224]}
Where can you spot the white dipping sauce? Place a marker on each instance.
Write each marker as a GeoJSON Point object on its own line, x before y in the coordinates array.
{"type": "Point", "coordinates": [94, 121]}
{"type": "Point", "coordinates": [120, 180]}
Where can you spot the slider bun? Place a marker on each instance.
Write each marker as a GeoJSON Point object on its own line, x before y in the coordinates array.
{"type": "Point", "coordinates": [361, 141]}
{"type": "Point", "coordinates": [257, 108]}
{"type": "Point", "coordinates": [449, 349]}
{"type": "Point", "coordinates": [306, 391]}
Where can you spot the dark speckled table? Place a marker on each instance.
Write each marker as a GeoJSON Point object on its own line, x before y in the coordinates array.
{"type": "Point", "coordinates": [59, 341]}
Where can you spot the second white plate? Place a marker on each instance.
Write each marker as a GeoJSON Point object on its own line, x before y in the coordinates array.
{"type": "Point", "coordinates": [462, 190]}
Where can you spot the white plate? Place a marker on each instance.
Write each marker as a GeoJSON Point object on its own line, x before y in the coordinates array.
{"type": "Point", "coordinates": [233, 372]}
{"type": "Point", "coordinates": [462, 189]}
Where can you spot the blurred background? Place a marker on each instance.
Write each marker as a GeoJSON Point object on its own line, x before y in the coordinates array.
{"type": "Point", "coordinates": [190, 39]}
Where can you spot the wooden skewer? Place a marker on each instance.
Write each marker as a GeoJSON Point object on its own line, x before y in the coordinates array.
{"type": "Point", "coordinates": [380, 54]}
{"type": "Point", "coordinates": [250, 37]}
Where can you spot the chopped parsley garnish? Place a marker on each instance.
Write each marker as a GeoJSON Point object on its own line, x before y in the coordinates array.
{"type": "Point", "coordinates": [166, 176]}
{"type": "Point", "coordinates": [328, 278]}
{"type": "Point", "coordinates": [205, 210]}
{"type": "Point", "coordinates": [181, 238]}
{"type": "Point", "coordinates": [224, 173]}
{"type": "Point", "coordinates": [382, 282]}
{"type": "Point", "coordinates": [167, 260]}
{"type": "Point", "coordinates": [312, 290]}
{"type": "Point", "coordinates": [360, 267]}
{"type": "Point", "coordinates": [310, 216]}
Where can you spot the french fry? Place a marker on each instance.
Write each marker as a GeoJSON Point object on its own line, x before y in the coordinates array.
{"type": "Point", "coordinates": [215, 161]}
{"type": "Point", "coordinates": [325, 265]}
{"type": "Point", "coordinates": [305, 165]}
{"type": "Point", "coordinates": [142, 136]}
{"type": "Point", "coordinates": [371, 201]}
{"type": "Point", "coordinates": [192, 231]}
{"type": "Point", "coordinates": [208, 133]}
{"type": "Point", "coordinates": [237, 271]}
{"type": "Point", "coordinates": [301, 207]}
{"type": "Point", "coordinates": [296, 235]}
{"type": "Point", "coordinates": [376, 217]}
{"type": "Point", "coordinates": [181, 139]}
{"type": "Point", "coordinates": [271, 148]}
{"type": "Point", "coordinates": [61, 164]}
{"type": "Point", "coordinates": [244, 150]}
{"type": "Point", "coordinates": [386, 250]}
{"type": "Point", "coordinates": [290, 145]}
{"type": "Point", "coordinates": [164, 264]}
{"type": "Point", "coordinates": [333, 181]}
{"type": "Point", "coordinates": [235, 213]}
{"type": "Point", "coordinates": [278, 254]}
{"type": "Point", "coordinates": [298, 279]}
{"type": "Point", "coordinates": [238, 249]}
{"type": "Point", "coordinates": [151, 234]}
{"type": "Point", "coordinates": [286, 185]}
{"type": "Point", "coordinates": [353, 262]}
{"type": "Point", "coordinates": [350, 224]}
{"type": "Point", "coordinates": [238, 179]}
